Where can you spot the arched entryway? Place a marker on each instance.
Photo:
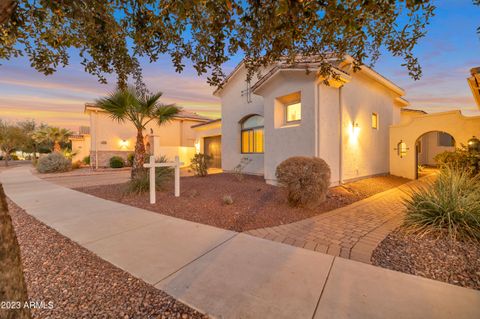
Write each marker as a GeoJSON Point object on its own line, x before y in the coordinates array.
{"type": "Point", "coordinates": [404, 137]}
{"type": "Point", "coordinates": [429, 145]}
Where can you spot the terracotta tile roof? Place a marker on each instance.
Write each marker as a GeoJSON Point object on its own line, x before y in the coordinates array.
{"type": "Point", "coordinates": [206, 123]}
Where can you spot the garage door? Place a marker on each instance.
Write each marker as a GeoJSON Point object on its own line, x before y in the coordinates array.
{"type": "Point", "coordinates": [213, 147]}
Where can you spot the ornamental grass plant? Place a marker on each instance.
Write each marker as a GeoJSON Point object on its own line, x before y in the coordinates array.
{"type": "Point", "coordinates": [450, 206]}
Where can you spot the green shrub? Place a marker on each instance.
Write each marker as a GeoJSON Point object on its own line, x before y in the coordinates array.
{"type": "Point", "coordinates": [141, 182]}
{"type": "Point", "coordinates": [130, 158]}
{"type": "Point", "coordinates": [76, 165]}
{"type": "Point", "coordinates": [53, 163]}
{"type": "Point", "coordinates": [199, 164]}
{"type": "Point", "coordinates": [450, 205]}
{"type": "Point", "coordinates": [117, 162]}
{"type": "Point", "coordinates": [306, 178]}
{"type": "Point", "coordinates": [238, 170]}
{"type": "Point", "coordinates": [14, 157]}
{"type": "Point", "coordinates": [460, 158]}
{"type": "Point", "coordinates": [86, 160]}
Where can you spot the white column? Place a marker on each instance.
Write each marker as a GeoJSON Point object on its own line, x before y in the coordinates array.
{"type": "Point", "coordinates": [177, 176]}
{"type": "Point", "coordinates": [152, 180]}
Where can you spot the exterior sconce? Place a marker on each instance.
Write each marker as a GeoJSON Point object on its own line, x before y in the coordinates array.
{"type": "Point", "coordinates": [123, 143]}
{"type": "Point", "coordinates": [356, 128]}
{"type": "Point", "coordinates": [474, 144]}
{"type": "Point", "coordinates": [402, 149]}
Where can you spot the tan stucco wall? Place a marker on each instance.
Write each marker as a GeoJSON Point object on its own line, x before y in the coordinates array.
{"type": "Point", "coordinates": [81, 148]}
{"type": "Point", "coordinates": [285, 140]}
{"type": "Point", "coordinates": [430, 148]}
{"type": "Point", "coordinates": [173, 138]}
{"type": "Point", "coordinates": [366, 154]}
{"type": "Point", "coordinates": [208, 130]}
{"type": "Point", "coordinates": [234, 108]}
{"type": "Point", "coordinates": [462, 128]}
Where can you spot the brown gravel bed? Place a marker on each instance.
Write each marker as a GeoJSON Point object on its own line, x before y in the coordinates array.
{"type": "Point", "coordinates": [452, 262]}
{"type": "Point", "coordinates": [82, 285]}
{"type": "Point", "coordinates": [255, 203]}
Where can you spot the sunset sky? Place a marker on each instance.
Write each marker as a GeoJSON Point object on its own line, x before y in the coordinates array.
{"type": "Point", "coordinates": [450, 49]}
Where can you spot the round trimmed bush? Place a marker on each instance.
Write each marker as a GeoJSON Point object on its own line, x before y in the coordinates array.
{"type": "Point", "coordinates": [54, 163]}
{"type": "Point", "coordinates": [117, 162]}
{"type": "Point", "coordinates": [306, 178]}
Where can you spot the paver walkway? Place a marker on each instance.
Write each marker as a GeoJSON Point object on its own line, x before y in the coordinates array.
{"type": "Point", "coordinates": [231, 275]}
{"type": "Point", "coordinates": [350, 232]}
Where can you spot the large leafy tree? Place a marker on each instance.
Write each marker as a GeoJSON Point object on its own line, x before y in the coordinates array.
{"type": "Point", "coordinates": [11, 138]}
{"type": "Point", "coordinates": [110, 35]}
{"type": "Point", "coordinates": [130, 105]}
{"type": "Point", "coordinates": [30, 145]}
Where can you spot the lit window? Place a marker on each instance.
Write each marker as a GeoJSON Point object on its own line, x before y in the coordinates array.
{"type": "Point", "coordinates": [293, 112]}
{"type": "Point", "coordinates": [445, 139]}
{"type": "Point", "coordinates": [375, 120]}
{"type": "Point", "coordinates": [252, 135]}
{"type": "Point", "coordinates": [402, 149]}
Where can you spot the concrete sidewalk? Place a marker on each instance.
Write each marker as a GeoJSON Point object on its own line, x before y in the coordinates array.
{"type": "Point", "coordinates": [230, 275]}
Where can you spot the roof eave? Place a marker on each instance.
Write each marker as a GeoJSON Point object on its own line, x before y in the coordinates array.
{"type": "Point", "coordinates": [475, 88]}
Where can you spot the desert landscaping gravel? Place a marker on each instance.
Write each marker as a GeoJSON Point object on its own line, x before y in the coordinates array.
{"type": "Point", "coordinates": [449, 261]}
{"type": "Point", "coordinates": [254, 204]}
{"type": "Point", "coordinates": [81, 285]}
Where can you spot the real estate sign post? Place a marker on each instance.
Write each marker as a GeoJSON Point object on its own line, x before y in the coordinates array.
{"type": "Point", "coordinates": [152, 165]}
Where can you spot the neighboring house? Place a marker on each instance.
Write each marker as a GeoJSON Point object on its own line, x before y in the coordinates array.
{"type": "Point", "coordinates": [111, 138]}
{"type": "Point", "coordinates": [289, 112]}
{"type": "Point", "coordinates": [80, 143]}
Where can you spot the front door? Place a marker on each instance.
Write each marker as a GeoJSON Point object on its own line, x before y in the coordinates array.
{"type": "Point", "coordinates": [213, 146]}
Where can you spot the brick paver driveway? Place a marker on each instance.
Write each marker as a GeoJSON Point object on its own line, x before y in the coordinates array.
{"type": "Point", "coordinates": [352, 231]}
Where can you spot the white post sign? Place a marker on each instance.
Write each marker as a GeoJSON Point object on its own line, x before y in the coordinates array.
{"type": "Point", "coordinates": [152, 165]}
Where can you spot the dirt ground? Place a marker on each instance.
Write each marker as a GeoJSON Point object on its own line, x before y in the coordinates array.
{"type": "Point", "coordinates": [442, 259]}
{"type": "Point", "coordinates": [255, 203]}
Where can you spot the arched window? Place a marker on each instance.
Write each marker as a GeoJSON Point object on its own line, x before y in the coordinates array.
{"type": "Point", "coordinates": [252, 134]}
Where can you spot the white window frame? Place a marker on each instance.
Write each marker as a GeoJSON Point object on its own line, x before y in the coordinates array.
{"type": "Point", "coordinates": [286, 121]}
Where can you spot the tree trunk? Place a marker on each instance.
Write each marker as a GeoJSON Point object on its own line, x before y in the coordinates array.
{"type": "Point", "coordinates": [139, 158]}
{"type": "Point", "coordinates": [13, 287]}
{"type": "Point", "coordinates": [6, 9]}
{"type": "Point", "coordinates": [57, 147]}
{"type": "Point", "coordinates": [34, 160]}
{"type": "Point", "coordinates": [7, 157]}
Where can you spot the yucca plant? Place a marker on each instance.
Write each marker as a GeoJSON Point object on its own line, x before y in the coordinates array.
{"type": "Point", "coordinates": [449, 206]}
{"type": "Point", "coordinates": [141, 182]}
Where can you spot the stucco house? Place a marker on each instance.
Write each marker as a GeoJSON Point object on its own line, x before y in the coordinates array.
{"type": "Point", "coordinates": [109, 138]}
{"type": "Point", "coordinates": [288, 112]}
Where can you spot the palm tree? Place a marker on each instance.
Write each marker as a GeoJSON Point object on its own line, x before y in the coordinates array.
{"type": "Point", "coordinates": [52, 135]}
{"type": "Point", "coordinates": [139, 109]}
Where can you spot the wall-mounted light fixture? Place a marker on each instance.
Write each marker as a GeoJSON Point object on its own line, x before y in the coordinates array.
{"type": "Point", "coordinates": [123, 143]}
{"type": "Point", "coordinates": [474, 144]}
{"type": "Point", "coordinates": [356, 128]}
